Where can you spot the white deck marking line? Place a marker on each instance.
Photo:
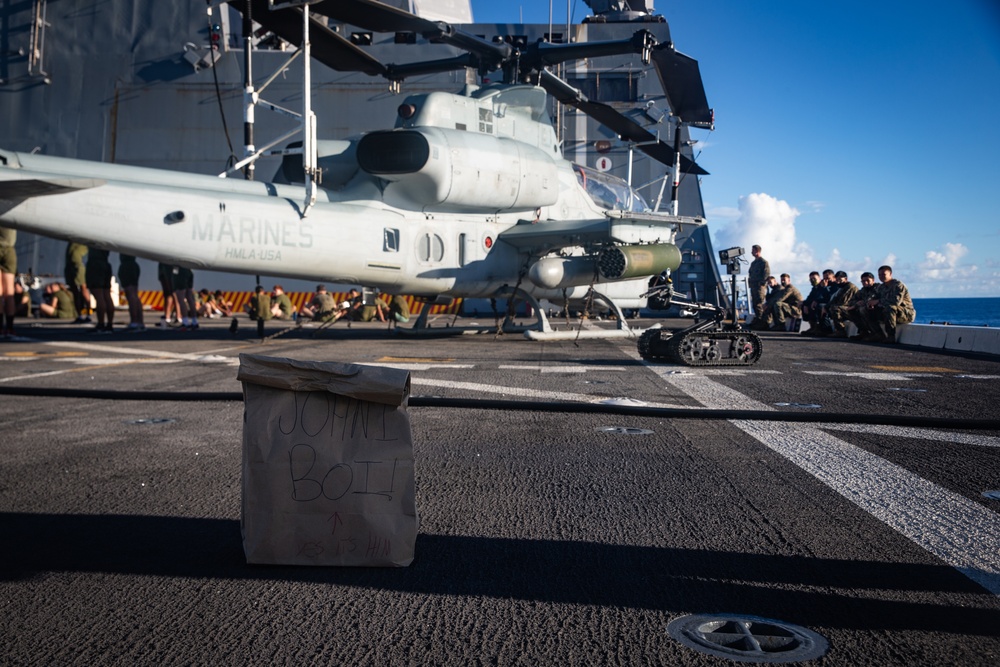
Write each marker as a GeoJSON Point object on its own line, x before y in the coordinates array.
{"type": "Point", "coordinates": [88, 363]}
{"type": "Point", "coordinates": [406, 366]}
{"type": "Point", "coordinates": [568, 368]}
{"type": "Point", "coordinates": [962, 533]}
{"type": "Point", "coordinates": [179, 356]}
{"type": "Point", "coordinates": [522, 392]}
{"type": "Point", "coordinates": [734, 371]}
{"type": "Point", "coordinates": [884, 375]}
{"type": "Point", "coordinates": [918, 433]}
{"type": "Point", "coordinates": [111, 361]}
{"type": "Point", "coordinates": [37, 375]}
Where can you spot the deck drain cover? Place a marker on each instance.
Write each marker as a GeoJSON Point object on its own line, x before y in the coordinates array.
{"type": "Point", "coordinates": [747, 638]}
{"type": "Point", "coordinates": [624, 430]}
{"type": "Point", "coordinates": [151, 420]}
{"type": "Point", "coordinates": [798, 405]}
{"type": "Point", "coordinates": [992, 494]}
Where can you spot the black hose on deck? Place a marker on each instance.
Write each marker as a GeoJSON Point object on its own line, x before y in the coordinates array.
{"type": "Point", "coordinates": [547, 406]}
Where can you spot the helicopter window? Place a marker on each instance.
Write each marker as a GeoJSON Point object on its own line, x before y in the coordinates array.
{"type": "Point", "coordinates": [486, 121]}
{"type": "Point", "coordinates": [390, 240]}
{"type": "Point", "coordinates": [609, 192]}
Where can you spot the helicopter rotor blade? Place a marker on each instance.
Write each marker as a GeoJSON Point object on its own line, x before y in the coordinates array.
{"type": "Point", "coordinates": [378, 17]}
{"type": "Point", "coordinates": [329, 48]}
{"type": "Point", "coordinates": [398, 72]}
{"type": "Point", "coordinates": [679, 74]}
{"type": "Point", "coordinates": [542, 54]}
{"type": "Point", "coordinates": [623, 126]}
{"type": "Point", "coordinates": [681, 80]}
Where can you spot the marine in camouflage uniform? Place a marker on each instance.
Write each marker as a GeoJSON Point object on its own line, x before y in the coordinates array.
{"type": "Point", "coordinates": [818, 302]}
{"type": "Point", "coordinates": [846, 291]}
{"type": "Point", "coordinates": [787, 302]}
{"type": "Point", "coordinates": [892, 306]}
{"type": "Point", "coordinates": [76, 277]}
{"type": "Point", "coordinates": [757, 282]}
{"type": "Point", "coordinates": [773, 289]}
{"type": "Point", "coordinates": [858, 308]}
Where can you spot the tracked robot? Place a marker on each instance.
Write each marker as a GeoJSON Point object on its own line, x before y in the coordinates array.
{"type": "Point", "coordinates": [712, 341]}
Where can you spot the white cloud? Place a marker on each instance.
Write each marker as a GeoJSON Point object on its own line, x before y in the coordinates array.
{"type": "Point", "coordinates": [770, 223]}
{"type": "Point", "coordinates": [945, 264]}
{"type": "Point", "coordinates": [947, 259]}
{"type": "Point", "coordinates": [763, 220]}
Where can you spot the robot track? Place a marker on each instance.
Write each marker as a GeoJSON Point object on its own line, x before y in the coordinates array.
{"type": "Point", "coordinates": [700, 348]}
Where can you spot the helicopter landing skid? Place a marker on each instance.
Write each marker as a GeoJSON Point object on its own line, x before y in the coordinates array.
{"type": "Point", "coordinates": [621, 330]}
{"type": "Point", "coordinates": [541, 329]}
{"type": "Point", "coordinates": [423, 328]}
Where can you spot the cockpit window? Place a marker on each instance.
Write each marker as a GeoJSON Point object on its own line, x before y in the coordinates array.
{"type": "Point", "coordinates": [609, 191]}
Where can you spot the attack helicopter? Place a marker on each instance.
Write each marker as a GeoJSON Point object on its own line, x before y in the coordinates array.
{"type": "Point", "coordinates": [467, 196]}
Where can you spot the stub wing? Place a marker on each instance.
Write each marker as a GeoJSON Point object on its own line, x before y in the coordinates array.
{"type": "Point", "coordinates": [19, 189]}
{"type": "Point", "coordinates": [551, 235]}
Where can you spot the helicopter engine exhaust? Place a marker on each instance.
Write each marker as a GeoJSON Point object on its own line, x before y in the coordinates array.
{"type": "Point", "coordinates": [616, 263]}
{"type": "Point", "coordinates": [458, 170]}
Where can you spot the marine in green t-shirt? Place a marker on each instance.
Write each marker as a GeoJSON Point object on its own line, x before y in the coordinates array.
{"type": "Point", "coordinates": [281, 305]}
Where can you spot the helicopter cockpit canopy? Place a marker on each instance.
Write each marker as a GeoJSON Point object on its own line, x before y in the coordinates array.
{"type": "Point", "coordinates": [610, 192]}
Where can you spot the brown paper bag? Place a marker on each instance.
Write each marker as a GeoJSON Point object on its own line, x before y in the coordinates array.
{"type": "Point", "coordinates": [327, 464]}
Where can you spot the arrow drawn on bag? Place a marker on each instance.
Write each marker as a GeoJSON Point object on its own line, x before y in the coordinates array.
{"type": "Point", "coordinates": [337, 521]}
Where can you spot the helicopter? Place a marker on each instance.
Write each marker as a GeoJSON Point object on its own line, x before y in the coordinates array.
{"type": "Point", "coordinates": [467, 196]}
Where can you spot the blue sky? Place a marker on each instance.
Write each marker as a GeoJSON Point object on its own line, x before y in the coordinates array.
{"type": "Point", "coordinates": [849, 134]}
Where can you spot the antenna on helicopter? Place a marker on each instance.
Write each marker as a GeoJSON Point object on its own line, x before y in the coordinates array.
{"type": "Point", "coordinates": [251, 98]}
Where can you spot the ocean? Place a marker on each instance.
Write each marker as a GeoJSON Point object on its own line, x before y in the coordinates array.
{"type": "Point", "coordinates": [980, 311]}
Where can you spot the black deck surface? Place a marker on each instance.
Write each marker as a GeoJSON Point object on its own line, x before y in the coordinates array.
{"type": "Point", "coordinates": [543, 538]}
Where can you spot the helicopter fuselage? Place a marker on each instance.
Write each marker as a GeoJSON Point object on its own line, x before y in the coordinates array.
{"type": "Point", "coordinates": [466, 196]}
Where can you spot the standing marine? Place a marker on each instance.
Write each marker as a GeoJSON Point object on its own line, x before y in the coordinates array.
{"type": "Point", "coordinates": [757, 281]}
{"type": "Point", "coordinates": [76, 279]}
